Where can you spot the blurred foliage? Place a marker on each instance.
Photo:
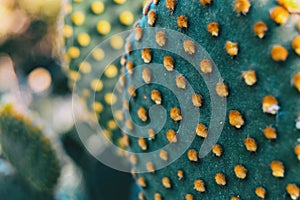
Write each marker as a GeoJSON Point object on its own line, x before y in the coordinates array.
{"type": "Point", "coordinates": [29, 35]}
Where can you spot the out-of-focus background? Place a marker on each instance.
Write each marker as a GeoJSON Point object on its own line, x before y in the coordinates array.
{"type": "Point", "coordinates": [43, 44]}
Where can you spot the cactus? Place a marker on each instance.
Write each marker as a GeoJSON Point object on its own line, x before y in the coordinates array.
{"type": "Point", "coordinates": [28, 150]}
{"type": "Point", "coordinates": [87, 24]}
{"type": "Point", "coordinates": [41, 51]}
{"type": "Point", "coordinates": [255, 47]}
{"type": "Point", "coordinates": [14, 187]}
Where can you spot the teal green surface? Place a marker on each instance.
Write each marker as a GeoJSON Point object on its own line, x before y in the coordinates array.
{"type": "Point", "coordinates": [274, 78]}
{"type": "Point", "coordinates": [29, 151]}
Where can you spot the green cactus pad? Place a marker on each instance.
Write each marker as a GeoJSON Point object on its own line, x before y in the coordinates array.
{"type": "Point", "coordinates": [255, 47]}
{"type": "Point", "coordinates": [87, 24]}
{"type": "Point", "coordinates": [28, 150]}
{"type": "Point", "coordinates": [14, 187]}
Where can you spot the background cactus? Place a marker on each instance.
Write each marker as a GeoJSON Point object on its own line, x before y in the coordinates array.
{"type": "Point", "coordinates": [30, 152]}
{"type": "Point", "coordinates": [20, 188]}
{"type": "Point", "coordinates": [30, 47]}
{"type": "Point", "coordinates": [255, 45]}
{"type": "Point", "coordinates": [87, 24]}
{"type": "Point", "coordinates": [39, 45]}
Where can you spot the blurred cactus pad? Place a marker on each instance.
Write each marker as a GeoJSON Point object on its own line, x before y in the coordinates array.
{"type": "Point", "coordinates": [255, 47]}
{"type": "Point", "coordinates": [87, 24]}
{"type": "Point", "coordinates": [28, 150]}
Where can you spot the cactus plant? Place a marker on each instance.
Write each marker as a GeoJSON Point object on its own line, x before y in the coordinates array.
{"type": "Point", "coordinates": [14, 187]}
{"type": "Point", "coordinates": [255, 47]}
{"type": "Point", "coordinates": [39, 39]}
{"type": "Point", "coordinates": [87, 24]}
{"type": "Point", "coordinates": [28, 150]}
